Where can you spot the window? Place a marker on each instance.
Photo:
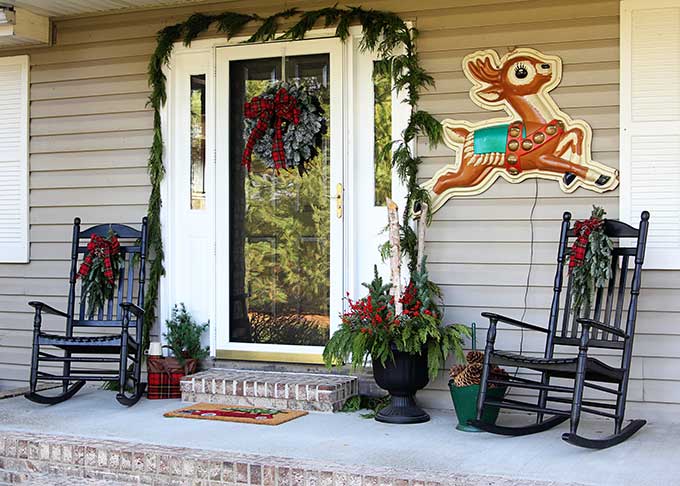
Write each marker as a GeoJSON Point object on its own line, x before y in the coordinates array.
{"type": "Point", "coordinates": [198, 141]}
{"type": "Point", "coordinates": [14, 159]}
{"type": "Point", "coordinates": [650, 124]}
{"type": "Point", "coordinates": [382, 133]}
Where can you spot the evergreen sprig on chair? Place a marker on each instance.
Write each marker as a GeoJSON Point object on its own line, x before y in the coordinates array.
{"type": "Point", "coordinates": [590, 259]}
{"type": "Point", "coordinates": [99, 270]}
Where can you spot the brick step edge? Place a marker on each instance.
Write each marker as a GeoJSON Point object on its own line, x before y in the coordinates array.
{"type": "Point", "coordinates": [263, 402]}
{"type": "Point", "coordinates": [263, 389]}
{"type": "Point", "coordinates": [12, 477]}
{"type": "Point", "coordinates": [159, 465]}
{"type": "Point", "coordinates": [56, 479]}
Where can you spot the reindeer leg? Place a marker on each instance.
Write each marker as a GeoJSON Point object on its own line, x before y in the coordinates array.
{"type": "Point", "coordinates": [467, 176]}
{"type": "Point", "coordinates": [571, 140]}
{"type": "Point", "coordinates": [574, 139]}
{"type": "Point", "coordinates": [553, 163]}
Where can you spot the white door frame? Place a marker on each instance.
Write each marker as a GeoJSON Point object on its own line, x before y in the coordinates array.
{"type": "Point", "coordinates": [351, 111]}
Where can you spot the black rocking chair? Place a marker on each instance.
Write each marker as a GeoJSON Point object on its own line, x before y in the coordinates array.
{"type": "Point", "coordinates": [127, 316]}
{"type": "Point", "coordinates": [600, 329]}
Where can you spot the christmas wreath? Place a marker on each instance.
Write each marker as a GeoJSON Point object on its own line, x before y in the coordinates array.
{"type": "Point", "coordinates": [98, 271]}
{"type": "Point", "coordinates": [590, 259]}
{"type": "Point", "coordinates": [284, 125]}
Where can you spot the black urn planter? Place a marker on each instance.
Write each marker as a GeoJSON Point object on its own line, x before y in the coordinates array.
{"type": "Point", "coordinates": [402, 378]}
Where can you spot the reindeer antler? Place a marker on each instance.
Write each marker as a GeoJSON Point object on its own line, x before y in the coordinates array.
{"type": "Point", "coordinates": [483, 70]}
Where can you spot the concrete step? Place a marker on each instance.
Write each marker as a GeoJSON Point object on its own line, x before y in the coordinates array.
{"type": "Point", "coordinates": [282, 390]}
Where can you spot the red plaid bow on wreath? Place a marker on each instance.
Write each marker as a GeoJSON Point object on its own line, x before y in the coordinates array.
{"type": "Point", "coordinates": [283, 107]}
{"type": "Point", "coordinates": [104, 248]}
{"type": "Point", "coordinates": [582, 230]}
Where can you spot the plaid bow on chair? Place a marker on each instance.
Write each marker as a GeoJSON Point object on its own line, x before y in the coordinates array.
{"type": "Point", "coordinates": [104, 248]}
{"type": "Point", "coordinates": [582, 230]}
{"type": "Point", "coordinates": [283, 107]}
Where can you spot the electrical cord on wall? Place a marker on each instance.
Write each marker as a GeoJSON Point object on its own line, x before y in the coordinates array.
{"type": "Point", "coordinates": [531, 265]}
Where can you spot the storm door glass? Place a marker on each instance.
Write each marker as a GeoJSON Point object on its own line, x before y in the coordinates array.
{"type": "Point", "coordinates": [279, 223]}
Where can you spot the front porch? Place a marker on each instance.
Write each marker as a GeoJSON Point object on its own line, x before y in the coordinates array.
{"type": "Point", "coordinates": [93, 437]}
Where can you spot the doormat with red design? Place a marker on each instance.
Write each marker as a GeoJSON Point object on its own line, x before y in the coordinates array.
{"type": "Point", "coordinates": [228, 413]}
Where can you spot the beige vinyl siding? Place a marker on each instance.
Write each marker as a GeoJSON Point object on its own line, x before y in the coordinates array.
{"type": "Point", "coordinates": [91, 130]}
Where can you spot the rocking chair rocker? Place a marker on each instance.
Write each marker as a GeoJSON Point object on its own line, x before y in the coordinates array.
{"type": "Point", "coordinates": [122, 347]}
{"type": "Point", "coordinates": [596, 331]}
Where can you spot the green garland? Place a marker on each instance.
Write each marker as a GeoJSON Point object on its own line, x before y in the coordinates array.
{"type": "Point", "coordinates": [595, 270]}
{"type": "Point", "coordinates": [383, 32]}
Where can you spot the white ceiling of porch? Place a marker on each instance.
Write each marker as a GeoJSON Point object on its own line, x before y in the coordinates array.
{"type": "Point", "coordinates": [63, 8]}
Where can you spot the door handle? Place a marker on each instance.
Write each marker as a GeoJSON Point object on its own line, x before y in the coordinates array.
{"type": "Point", "coordinates": [339, 200]}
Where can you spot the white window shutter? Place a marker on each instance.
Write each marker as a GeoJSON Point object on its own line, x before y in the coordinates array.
{"type": "Point", "coordinates": [650, 124]}
{"type": "Point", "coordinates": [14, 86]}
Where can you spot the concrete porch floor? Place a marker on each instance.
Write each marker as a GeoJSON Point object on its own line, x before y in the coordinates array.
{"type": "Point", "coordinates": [649, 458]}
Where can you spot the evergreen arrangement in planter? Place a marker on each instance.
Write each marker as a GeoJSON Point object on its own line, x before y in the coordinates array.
{"type": "Point", "coordinates": [407, 349]}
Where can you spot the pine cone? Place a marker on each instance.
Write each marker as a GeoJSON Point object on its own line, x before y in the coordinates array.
{"type": "Point", "coordinates": [471, 375]}
{"type": "Point", "coordinates": [475, 357]}
{"type": "Point", "coordinates": [456, 370]}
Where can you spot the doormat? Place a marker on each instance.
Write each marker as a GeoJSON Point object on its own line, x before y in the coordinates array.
{"type": "Point", "coordinates": [228, 413]}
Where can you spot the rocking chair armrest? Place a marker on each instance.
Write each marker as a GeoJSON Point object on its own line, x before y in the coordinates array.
{"type": "Point", "coordinates": [134, 308]}
{"type": "Point", "coordinates": [602, 327]}
{"type": "Point", "coordinates": [47, 309]}
{"type": "Point", "coordinates": [513, 322]}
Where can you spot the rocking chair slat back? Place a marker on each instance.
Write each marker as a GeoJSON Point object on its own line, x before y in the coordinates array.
{"type": "Point", "coordinates": [567, 308]}
{"type": "Point", "coordinates": [613, 297]}
{"type": "Point", "coordinates": [610, 294]}
{"type": "Point", "coordinates": [129, 281]}
{"type": "Point", "coordinates": [131, 276]}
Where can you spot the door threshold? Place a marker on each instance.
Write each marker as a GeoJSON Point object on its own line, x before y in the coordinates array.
{"type": "Point", "coordinates": [269, 356]}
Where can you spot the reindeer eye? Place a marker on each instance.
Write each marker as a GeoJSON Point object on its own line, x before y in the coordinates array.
{"type": "Point", "coordinates": [521, 71]}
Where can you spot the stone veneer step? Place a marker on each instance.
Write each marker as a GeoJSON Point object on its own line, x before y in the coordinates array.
{"type": "Point", "coordinates": [294, 391]}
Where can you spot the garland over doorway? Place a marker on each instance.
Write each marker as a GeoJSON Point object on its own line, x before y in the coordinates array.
{"type": "Point", "coordinates": [383, 32]}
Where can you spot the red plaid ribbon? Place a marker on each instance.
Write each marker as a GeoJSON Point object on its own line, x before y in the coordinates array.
{"type": "Point", "coordinates": [104, 248]}
{"type": "Point", "coordinates": [274, 111]}
{"type": "Point", "coordinates": [582, 229]}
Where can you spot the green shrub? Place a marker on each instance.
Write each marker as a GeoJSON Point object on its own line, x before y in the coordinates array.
{"type": "Point", "coordinates": [184, 335]}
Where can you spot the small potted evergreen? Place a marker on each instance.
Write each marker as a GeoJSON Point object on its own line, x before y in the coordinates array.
{"type": "Point", "coordinates": [184, 339]}
{"type": "Point", "coordinates": [184, 342]}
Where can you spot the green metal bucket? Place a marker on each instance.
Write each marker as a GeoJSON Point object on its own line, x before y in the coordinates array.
{"type": "Point", "coordinates": [465, 404]}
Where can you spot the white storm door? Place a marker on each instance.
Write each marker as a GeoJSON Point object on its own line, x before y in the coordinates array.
{"type": "Point", "coordinates": [279, 238]}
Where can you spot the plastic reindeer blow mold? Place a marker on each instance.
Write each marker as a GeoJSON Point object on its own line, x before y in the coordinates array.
{"type": "Point", "coordinates": [535, 140]}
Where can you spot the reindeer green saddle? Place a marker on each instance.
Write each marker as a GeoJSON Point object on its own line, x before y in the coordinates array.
{"type": "Point", "coordinates": [493, 139]}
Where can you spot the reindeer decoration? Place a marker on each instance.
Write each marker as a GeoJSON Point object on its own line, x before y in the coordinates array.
{"type": "Point", "coordinates": [535, 140]}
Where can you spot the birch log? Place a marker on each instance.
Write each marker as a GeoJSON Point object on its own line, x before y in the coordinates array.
{"type": "Point", "coordinates": [422, 226]}
{"type": "Point", "coordinates": [395, 253]}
